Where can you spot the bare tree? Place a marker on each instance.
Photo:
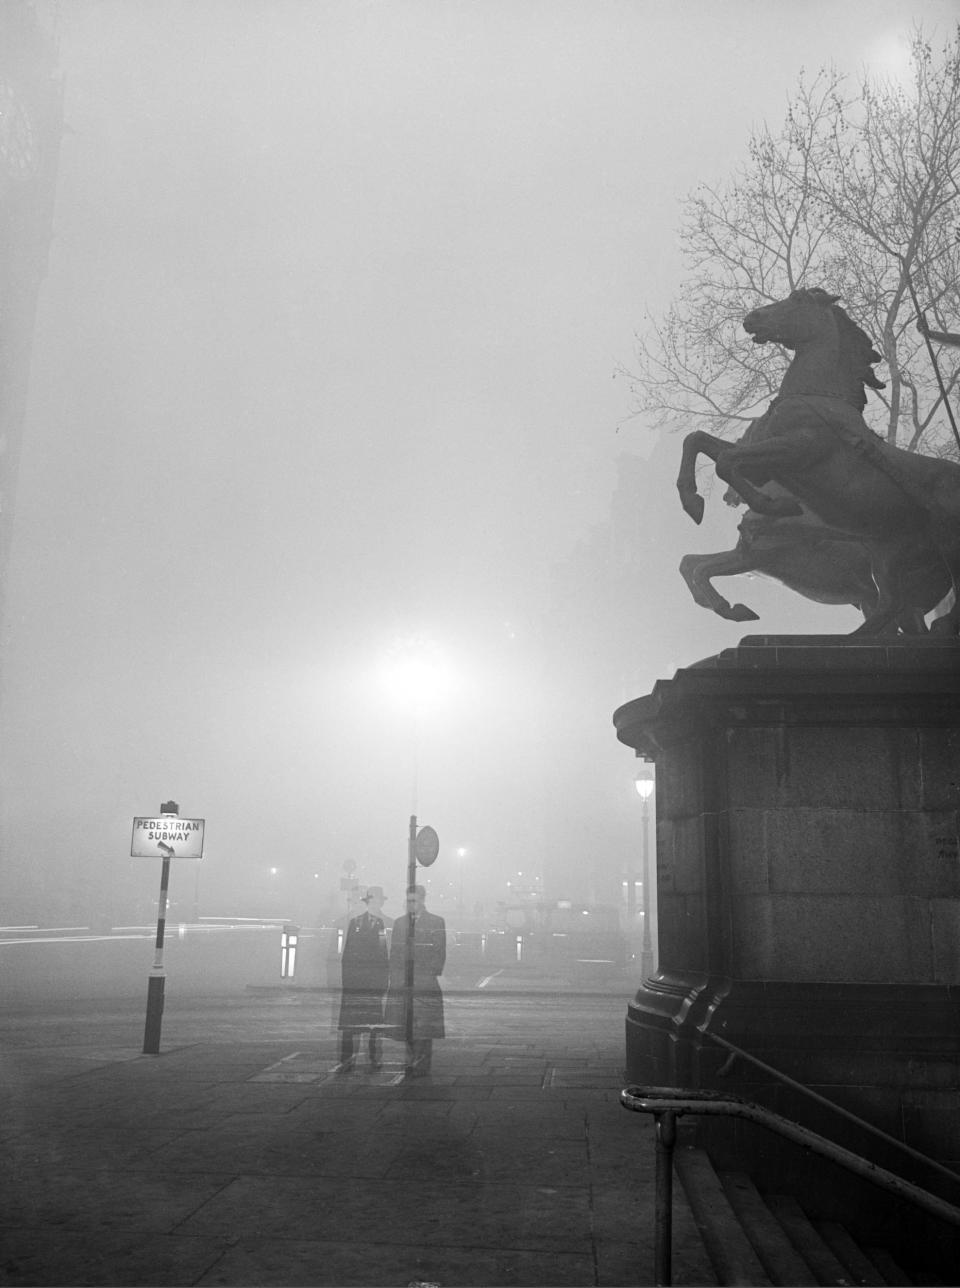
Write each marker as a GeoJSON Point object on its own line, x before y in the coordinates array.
{"type": "Point", "coordinates": [857, 193]}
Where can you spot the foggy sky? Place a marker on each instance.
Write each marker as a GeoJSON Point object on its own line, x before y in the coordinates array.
{"type": "Point", "coordinates": [325, 354]}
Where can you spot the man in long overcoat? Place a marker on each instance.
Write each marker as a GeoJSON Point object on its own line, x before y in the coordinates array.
{"type": "Point", "coordinates": [429, 958]}
{"type": "Point", "coordinates": [364, 971]}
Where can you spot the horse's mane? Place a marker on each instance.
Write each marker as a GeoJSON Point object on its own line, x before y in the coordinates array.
{"type": "Point", "coordinates": [856, 347]}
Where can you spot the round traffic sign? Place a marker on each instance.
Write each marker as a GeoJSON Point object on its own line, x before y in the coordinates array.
{"type": "Point", "coordinates": [427, 846]}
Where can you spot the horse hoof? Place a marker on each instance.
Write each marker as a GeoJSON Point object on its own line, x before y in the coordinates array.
{"type": "Point", "coordinates": [741, 613]}
{"type": "Point", "coordinates": [869, 628]}
{"type": "Point", "coordinates": [694, 507]}
{"type": "Point", "coordinates": [946, 625]}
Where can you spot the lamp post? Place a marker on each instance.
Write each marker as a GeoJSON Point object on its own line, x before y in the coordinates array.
{"type": "Point", "coordinates": [644, 783]}
{"type": "Point", "coordinates": [417, 674]}
{"type": "Point", "coordinates": [461, 855]}
{"type": "Point", "coordinates": [196, 894]}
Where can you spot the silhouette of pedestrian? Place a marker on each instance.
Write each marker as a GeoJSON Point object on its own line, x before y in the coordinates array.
{"type": "Point", "coordinates": [429, 958]}
{"type": "Point", "coordinates": [364, 973]}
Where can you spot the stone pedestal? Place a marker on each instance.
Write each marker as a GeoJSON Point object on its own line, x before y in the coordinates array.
{"type": "Point", "coordinates": [808, 880]}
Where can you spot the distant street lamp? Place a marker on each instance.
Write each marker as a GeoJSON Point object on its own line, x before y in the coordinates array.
{"type": "Point", "coordinates": [644, 783]}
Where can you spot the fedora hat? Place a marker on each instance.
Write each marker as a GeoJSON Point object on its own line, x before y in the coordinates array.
{"type": "Point", "coordinates": [372, 892]}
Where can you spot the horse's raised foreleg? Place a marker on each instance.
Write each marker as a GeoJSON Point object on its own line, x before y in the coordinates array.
{"type": "Point", "coordinates": [696, 442]}
{"type": "Point", "coordinates": [697, 570]}
{"type": "Point", "coordinates": [734, 460]}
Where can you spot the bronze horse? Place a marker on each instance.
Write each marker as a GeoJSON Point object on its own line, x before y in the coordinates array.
{"type": "Point", "coordinates": [815, 446]}
{"type": "Point", "coordinates": [816, 561]}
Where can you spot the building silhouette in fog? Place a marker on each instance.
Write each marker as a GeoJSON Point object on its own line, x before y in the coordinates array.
{"type": "Point", "coordinates": [601, 613]}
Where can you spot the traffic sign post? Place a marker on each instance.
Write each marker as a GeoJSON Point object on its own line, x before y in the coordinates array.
{"type": "Point", "coordinates": [423, 848]}
{"type": "Point", "coordinates": [427, 846]}
{"type": "Point", "coordinates": [171, 837]}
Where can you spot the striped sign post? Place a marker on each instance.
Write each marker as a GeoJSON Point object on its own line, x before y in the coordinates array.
{"type": "Point", "coordinates": [171, 837]}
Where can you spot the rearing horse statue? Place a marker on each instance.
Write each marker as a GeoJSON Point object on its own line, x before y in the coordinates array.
{"type": "Point", "coordinates": [815, 445]}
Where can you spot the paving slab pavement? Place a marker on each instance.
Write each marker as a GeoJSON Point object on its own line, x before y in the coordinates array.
{"type": "Point", "coordinates": [240, 1155]}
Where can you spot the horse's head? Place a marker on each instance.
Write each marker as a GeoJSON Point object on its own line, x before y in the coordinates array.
{"type": "Point", "coordinates": [812, 317]}
{"type": "Point", "coordinates": [802, 316]}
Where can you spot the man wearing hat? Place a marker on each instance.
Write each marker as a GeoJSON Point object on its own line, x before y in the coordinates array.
{"type": "Point", "coordinates": [363, 975]}
{"type": "Point", "coordinates": [419, 1024]}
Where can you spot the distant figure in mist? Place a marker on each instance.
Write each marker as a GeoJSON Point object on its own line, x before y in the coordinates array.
{"type": "Point", "coordinates": [429, 958]}
{"type": "Point", "coordinates": [364, 971]}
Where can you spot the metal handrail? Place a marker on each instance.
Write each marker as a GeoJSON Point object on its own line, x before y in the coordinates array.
{"type": "Point", "coordinates": [832, 1104]}
{"type": "Point", "coordinates": [668, 1103]}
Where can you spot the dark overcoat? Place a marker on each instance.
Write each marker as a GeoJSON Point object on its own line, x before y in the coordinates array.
{"type": "Point", "coordinates": [364, 970]}
{"type": "Point", "coordinates": [429, 958]}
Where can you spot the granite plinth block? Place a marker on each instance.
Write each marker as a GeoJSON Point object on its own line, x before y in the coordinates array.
{"type": "Point", "coordinates": [808, 869]}
{"type": "Point", "coordinates": [808, 794]}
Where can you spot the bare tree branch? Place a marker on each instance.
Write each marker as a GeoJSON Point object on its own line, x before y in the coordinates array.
{"type": "Point", "coordinates": [857, 192]}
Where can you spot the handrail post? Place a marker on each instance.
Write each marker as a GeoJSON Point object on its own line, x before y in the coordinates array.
{"type": "Point", "coordinates": [665, 1103]}
{"type": "Point", "coordinates": [666, 1134]}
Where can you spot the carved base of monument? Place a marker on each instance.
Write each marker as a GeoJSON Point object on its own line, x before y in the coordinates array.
{"type": "Point", "coordinates": [808, 887]}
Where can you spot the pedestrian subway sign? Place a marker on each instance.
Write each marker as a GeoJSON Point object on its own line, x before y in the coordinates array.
{"type": "Point", "coordinates": [169, 837]}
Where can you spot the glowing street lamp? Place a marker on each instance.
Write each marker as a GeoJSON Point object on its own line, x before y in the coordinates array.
{"type": "Point", "coordinates": [417, 676]}
{"type": "Point", "coordinates": [644, 783]}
